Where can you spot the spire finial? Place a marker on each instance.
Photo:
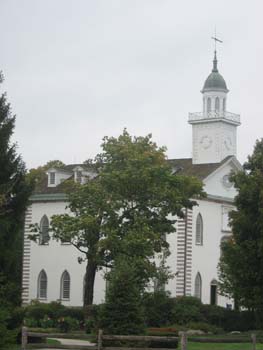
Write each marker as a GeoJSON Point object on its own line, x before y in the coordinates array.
{"type": "Point", "coordinates": [215, 58]}
{"type": "Point", "coordinates": [215, 63]}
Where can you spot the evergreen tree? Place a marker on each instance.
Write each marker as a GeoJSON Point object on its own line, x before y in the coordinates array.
{"type": "Point", "coordinates": [241, 265]}
{"type": "Point", "coordinates": [14, 192]}
{"type": "Point", "coordinates": [122, 312]}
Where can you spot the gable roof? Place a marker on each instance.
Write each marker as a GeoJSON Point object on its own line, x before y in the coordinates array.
{"type": "Point", "coordinates": [185, 166]}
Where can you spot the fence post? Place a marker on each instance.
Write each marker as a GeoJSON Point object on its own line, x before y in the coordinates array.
{"type": "Point", "coordinates": [254, 341]}
{"type": "Point", "coordinates": [100, 339]}
{"type": "Point", "coordinates": [24, 338]}
{"type": "Point", "coordinates": [183, 341]}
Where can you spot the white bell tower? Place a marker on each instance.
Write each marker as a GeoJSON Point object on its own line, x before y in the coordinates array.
{"type": "Point", "coordinates": [214, 129]}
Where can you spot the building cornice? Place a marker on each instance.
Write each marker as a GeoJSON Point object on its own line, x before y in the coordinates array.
{"type": "Point", "coordinates": [219, 199]}
{"type": "Point", "coordinates": [48, 197]}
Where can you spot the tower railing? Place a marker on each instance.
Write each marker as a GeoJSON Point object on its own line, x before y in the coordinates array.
{"type": "Point", "coordinates": [232, 117]}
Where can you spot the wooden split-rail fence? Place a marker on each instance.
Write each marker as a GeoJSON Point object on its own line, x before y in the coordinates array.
{"type": "Point", "coordinates": [183, 338]}
{"type": "Point", "coordinates": [100, 341]}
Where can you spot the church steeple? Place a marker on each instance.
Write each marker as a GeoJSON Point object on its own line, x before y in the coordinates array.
{"type": "Point", "coordinates": [215, 70]}
{"type": "Point", "coordinates": [214, 129]}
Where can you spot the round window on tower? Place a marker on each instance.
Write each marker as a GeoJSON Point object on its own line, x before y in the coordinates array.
{"type": "Point", "coordinates": [226, 181]}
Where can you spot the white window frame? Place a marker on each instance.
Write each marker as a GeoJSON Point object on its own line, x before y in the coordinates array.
{"type": "Point", "coordinates": [65, 293]}
{"type": "Point", "coordinates": [44, 229]}
{"type": "Point", "coordinates": [199, 230]}
{"type": "Point", "coordinates": [198, 286]}
{"type": "Point", "coordinates": [42, 291]}
{"type": "Point", "coordinates": [52, 178]}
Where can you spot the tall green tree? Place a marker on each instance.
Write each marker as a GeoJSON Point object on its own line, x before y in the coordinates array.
{"type": "Point", "coordinates": [123, 311]}
{"type": "Point", "coordinates": [127, 208]}
{"type": "Point", "coordinates": [14, 193]}
{"type": "Point", "coordinates": [241, 264]}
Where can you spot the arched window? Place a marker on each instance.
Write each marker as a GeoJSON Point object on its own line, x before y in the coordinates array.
{"type": "Point", "coordinates": [198, 286]}
{"type": "Point", "coordinates": [224, 104]}
{"type": "Point", "coordinates": [44, 231]}
{"type": "Point", "coordinates": [224, 239]}
{"type": "Point", "coordinates": [199, 230]}
{"type": "Point", "coordinates": [213, 292]}
{"type": "Point", "coordinates": [42, 285]}
{"type": "Point", "coordinates": [217, 104]}
{"type": "Point", "coordinates": [65, 286]}
{"type": "Point", "coordinates": [208, 105]}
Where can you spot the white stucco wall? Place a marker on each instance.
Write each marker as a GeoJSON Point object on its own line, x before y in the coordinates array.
{"type": "Point", "coordinates": [212, 141]}
{"type": "Point", "coordinates": [214, 184]}
{"type": "Point", "coordinates": [205, 257]}
{"type": "Point", "coordinates": [55, 258]}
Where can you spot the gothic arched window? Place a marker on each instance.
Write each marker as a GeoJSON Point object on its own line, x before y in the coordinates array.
{"type": "Point", "coordinates": [199, 230]}
{"type": "Point", "coordinates": [224, 240]}
{"type": "Point", "coordinates": [44, 231]}
{"type": "Point", "coordinates": [208, 105]}
{"type": "Point", "coordinates": [217, 104]}
{"type": "Point", "coordinates": [224, 104]}
{"type": "Point", "coordinates": [42, 285]}
{"type": "Point", "coordinates": [213, 292]}
{"type": "Point", "coordinates": [65, 286]}
{"type": "Point", "coordinates": [198, 286]}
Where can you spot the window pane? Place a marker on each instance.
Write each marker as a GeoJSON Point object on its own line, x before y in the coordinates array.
{"type": "Point", "coordinates": [65, 286]}
{"type": "Point", "coordinates": [52, 178]}
{"type": "Point", "coordinates": [42, 285]}
{"type": "Point", "coordinates": [199, 230]}
{"type": "Point", "coordinates": [44, 230]}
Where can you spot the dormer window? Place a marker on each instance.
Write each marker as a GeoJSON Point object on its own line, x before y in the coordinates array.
{"type": "Point", "coordinates": [78, 176]}
{"type": "Point", "coordinates": [52, 178]}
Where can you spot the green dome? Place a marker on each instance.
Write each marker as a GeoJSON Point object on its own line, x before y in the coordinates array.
{"type": "Point", "coordinates": [215, 81]}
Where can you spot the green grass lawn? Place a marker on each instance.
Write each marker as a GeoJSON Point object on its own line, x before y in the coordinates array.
{"type": "Point", "coordinates": [53, 341]}
{"type": "Point", "coordinates": [221, 346]}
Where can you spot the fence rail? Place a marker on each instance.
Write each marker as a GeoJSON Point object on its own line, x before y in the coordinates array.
{"type": "Point", "coordinates": [183, 338]}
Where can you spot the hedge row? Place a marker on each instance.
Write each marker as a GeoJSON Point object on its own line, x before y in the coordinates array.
{"type": "Point", "coordinates": [162, 310]}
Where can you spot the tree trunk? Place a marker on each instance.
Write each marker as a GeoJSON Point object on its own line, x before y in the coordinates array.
{"type": "Point", "coordinates": [89, 286]}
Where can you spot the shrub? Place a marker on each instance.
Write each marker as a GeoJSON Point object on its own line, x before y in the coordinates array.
{"type": "Point", "coordinates": [66, 324]}
{"type": "Point", "coordinates": [73, 312]}
{"type": "Point", "coordinates": [92, 325]}
{"type": "Point", "coordinates": [47, 315]}
{"type": "Point", "coordinates": [38, 311]}
{"type": "Point", "coordinates": [158, 309]}
{"type": "Point", "coordinates": [205, 327]}
{"type": "Point", "coordinates": [7, 336]}
{"type": "Point", "coordinates": [31, 322]}
{"type": "Point", "coordinates": [122, 312]}
{"type": "Point", "coordinates": [214, 315]}
{"type": "Point", "coordinates": [47, 322]}
{"type": "Point", "coordinates": [187, 309]}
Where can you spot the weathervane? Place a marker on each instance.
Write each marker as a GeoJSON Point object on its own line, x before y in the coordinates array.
{"type": "Point", "coordinates": [216, 39]}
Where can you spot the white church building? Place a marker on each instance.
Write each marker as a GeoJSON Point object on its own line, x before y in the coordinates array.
{"type": "Point", "coordinates": [51, 270]}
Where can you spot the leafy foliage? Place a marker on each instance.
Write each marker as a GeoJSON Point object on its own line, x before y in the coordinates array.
{"type": "Point", "coordinates": [38, 175]}
{"type": "Point", "coordinates": [127, 208]}
{"type": "Point", "coordinates": [14, 192]}
{"type": "Point", "coordinates": [122, 312]}
{"type": "Point", "coordinates": [158, 308]}
{"type": "Point", "coordinates": [241, 265]}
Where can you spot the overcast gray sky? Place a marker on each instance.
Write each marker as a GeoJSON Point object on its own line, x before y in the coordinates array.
{"type": "Point", "coordinates": [77, 70]}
